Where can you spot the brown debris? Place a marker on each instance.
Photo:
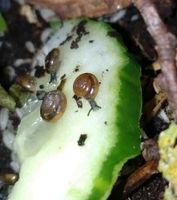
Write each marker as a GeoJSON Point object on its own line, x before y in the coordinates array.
{"type": "Point", "coordinates": [150, 150]}
{"type": "Point", "coordinates": [140, 176]}
{"type": "Point", "coordinates": [153, 106]}
{"type": "Point", "coordinates": [166, 47]}
{"type": "Point", "coordinates": [151, 155]}
{"type": "Point", "coordinates": [92, 8]}
{"type": "Point", "coordinates": [76, 8]}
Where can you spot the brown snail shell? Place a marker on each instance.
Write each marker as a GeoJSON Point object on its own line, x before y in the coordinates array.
{"type": "Point", "coordinates": [27, 82]}
{"type": "Point", "coordinates": [52, 61]}
{"type": "Point", "coordinates": [9, 178]}
{"type": "Point", "coordinates": [53, 105]}
{"type": "Point", "coordinates": [86, 85]}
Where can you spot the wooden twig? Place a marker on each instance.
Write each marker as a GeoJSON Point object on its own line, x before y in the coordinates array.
{"type": "Point", "coordinates": [166, 48]}
{"type": "Point", "coordinates": [140, 176]}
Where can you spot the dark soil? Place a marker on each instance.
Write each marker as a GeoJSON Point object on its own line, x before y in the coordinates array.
{"type": "Point", "coordinates": [13, 43]}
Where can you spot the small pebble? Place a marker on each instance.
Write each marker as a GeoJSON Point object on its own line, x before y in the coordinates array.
{"type": "Point", "coordinates": [30, 46]}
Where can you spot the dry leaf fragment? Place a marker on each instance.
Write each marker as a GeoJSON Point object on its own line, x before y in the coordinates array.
{"type": "Point", "coordinates": [141, 175]}
{"type": "Point", "coordinates": [152, 107]}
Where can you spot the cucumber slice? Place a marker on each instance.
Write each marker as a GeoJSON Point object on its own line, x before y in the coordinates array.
{"type": "Point", "coordinates": [55, 164]}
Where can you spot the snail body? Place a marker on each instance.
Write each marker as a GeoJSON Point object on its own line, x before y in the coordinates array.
{"type": "Point", "coordinates": [52, 63]}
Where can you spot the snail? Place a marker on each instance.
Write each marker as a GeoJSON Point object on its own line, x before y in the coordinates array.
{"type": "Point", "coordinates": [52, 63]}
{"type": "Point", "coordinates": [53, 105]}
{"type": "Point", "coordinates": [86, 85]}
{"type": "Point", "coordinates": [27, 82]}
{"type": "Point", "coordinates": [9, 178]}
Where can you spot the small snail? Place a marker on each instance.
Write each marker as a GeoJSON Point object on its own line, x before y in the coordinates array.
{"type": "Point", "coordinates": [52, 63]}
{"type": "Point", "coordinates": [53, 105]}
{"type": "Point", "coordinates": [9, 178]}
{"type": "Point", "coordinates": [86, 85]}
{"type": "Point", "coordinates": [27, 82]}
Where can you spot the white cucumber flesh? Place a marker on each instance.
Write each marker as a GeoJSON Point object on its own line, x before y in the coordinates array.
{"type": "Point", "coordinates": [52, 163]}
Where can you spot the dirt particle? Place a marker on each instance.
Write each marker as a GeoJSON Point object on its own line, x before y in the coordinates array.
{"type": "Point", "coordinates": [66, 40]}
{"type": "Point", "coordinates": [76, 68]}
{"type": "Point", "coordinates": [74, 44]}
{"type": "Point", "coordinates": [91, 41]}
{"type": "Point", "coordinates": [40, 71]}
{"type": "Point", "coordinates": [82, 139]}
{"type": "Point", "coordinates": [106, 123]}
{"type": "Point", "coordinates": [80, 30]}
{"type": "Point", "coordinates": [41, 86]}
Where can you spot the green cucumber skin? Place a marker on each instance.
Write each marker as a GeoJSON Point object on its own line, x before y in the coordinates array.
{"type": "Point", "coordinates": [126, 126]}
{"type": "Point", "coordinates": [128, 144]}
